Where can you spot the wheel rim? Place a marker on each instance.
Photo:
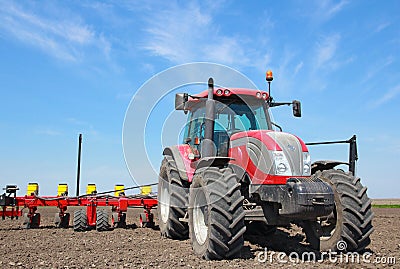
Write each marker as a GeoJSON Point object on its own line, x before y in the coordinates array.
{"type": "Point", "coordinates": [200, 222]}
{"type": "Point", "coordinates": [164, 203]}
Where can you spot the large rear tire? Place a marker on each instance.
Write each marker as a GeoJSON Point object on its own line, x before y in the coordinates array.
{"type": "Point", "coordinates": [216, 214]}
{"type": "Point", "coordinates": [351, 220]}
{"type": "Point", "coordinates": [172, 201]}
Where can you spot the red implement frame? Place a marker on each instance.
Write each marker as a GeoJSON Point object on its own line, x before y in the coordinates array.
{"type": "Point", "coordinates": [118, 204]}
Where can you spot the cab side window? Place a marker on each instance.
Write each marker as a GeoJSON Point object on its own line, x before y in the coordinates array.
{"type": "Point", "coordinates": [195, 127]}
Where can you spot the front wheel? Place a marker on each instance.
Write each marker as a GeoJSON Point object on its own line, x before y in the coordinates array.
{"type": "Point", "coordinates": [349, 226]}
{"type": "Point", "coordinates": [216, 215]}
{"type": "Point", "coordinates": [172, 201]}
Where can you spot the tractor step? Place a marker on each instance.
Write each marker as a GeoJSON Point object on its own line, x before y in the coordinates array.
{"type": "Point", "coordinates": [255, 214]}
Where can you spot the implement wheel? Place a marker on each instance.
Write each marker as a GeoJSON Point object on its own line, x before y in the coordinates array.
{"type": "Point", "coordinates": [62, 222]}
{"type": "Point", "coordinates": [32, 223]}
{"type": "Point", "coordinates": [143, 223]}
{"type": "Point", "coordinates": [349, 226]}
{"type": "Point", "coordinates": [216, 215]}
{"type": "Point", "coordinates": [118, 221]}
{"type": "Point", "coordinates": [102, 223]}
{"type": "Point", "coordinates": [80, 220]}
{"type": "Point", "coordinates": [172, 201]}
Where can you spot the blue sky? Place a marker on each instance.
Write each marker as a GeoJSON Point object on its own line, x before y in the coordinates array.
{"type": "Point", "coordinates": [73, 67]}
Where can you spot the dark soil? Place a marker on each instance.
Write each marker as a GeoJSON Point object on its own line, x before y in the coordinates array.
{"type": "Point", "coordinates": [49, 247]}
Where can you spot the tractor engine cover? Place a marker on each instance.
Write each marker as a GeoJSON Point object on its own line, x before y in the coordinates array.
{"type": "Point", "coordinates": [299, 198]}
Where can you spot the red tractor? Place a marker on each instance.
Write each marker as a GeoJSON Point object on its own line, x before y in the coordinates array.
{"type": "Point", "coordinates": [234, 172]}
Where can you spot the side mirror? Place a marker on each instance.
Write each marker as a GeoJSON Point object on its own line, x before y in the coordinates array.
{"type": "Point", "coordinates": [296, 108]}
{"type": "Point", "coordinates": [180, 100]}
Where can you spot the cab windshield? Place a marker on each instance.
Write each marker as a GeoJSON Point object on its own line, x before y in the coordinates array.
{"type": "Point", "coordinates": [230, 117]}
{"type": "Point", "coordinates": [236, 116]}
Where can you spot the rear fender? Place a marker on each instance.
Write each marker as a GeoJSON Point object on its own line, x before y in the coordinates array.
{"type": "Point", "coordinates": [324, 165]}
{"type": "Point", "coordinates": [239, 171]}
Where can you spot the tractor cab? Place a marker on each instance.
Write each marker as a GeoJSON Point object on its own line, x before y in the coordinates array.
{"type": "Point", "coordinates": [234, 113]}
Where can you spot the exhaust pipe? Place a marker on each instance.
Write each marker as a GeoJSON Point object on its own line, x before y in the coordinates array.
{"type": "Point", "coordinates": [207, 148]}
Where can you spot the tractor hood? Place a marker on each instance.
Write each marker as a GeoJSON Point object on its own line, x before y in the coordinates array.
{"type": "Point", "coordinates": [273, 153]}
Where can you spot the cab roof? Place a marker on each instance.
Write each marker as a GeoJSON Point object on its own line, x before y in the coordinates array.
{"type": "Point", "coordinates": [226, 92]}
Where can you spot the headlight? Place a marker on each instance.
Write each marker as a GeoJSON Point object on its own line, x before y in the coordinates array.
{"type": "Point", "coordinates": [282, 166]}
{"type": "Point", "coordinates": [306, 164]}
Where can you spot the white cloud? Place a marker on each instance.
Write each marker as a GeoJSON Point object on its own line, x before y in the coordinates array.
{"type": "Point", "coordinates": [320, 11]}
{"type": "Point", "coordinates": [335, 8]}
{"type": "Point", "coordinates": [186, 33]}
{"type": "Point", "coordinates": [326, 49]}
{"type": "Point", "coordinates": [392, 142]}
{"type": "Point", "coordinates": [175, 32]}
{"type": "Point", "coordinates": [298, 67]}
{"type": "Point", "coordinates": [83, 126]}
{"type": "Point", "coordinates": [105, 46]}
{"type": "Point", "coordinates": [388, 96]}
{"type": "Point", "coordinates": [227, 51]}
{"type": "Point", "coordinates": [382, 26]}
{"type": "Point", "coordinates": [326, 9]}
{"type": "Point", "coordinates": [149, 68]}
{"type": "Point", "coordinates": [48, 131]}
{"type": "Point", "coordinates": [327, 58]}
{"type": "Point", "coordinates": [62, 38]}
{"type": "Point", "coordinates": [285, 69]}
{"type": "Point", "coordinates": [76, 121]}
{"type": "Point", "coordinates": [127, 96]}
{"type": "Point", "coordinates": [376, 68]}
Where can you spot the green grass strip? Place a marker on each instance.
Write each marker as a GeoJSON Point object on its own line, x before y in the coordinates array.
{"type": "Point", "coordinates": [386, 206]}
